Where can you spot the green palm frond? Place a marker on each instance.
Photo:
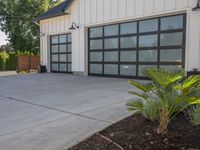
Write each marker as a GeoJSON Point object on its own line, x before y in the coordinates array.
{"type": "Point", "coordinates": [190, 83]}
{"type": "Point", "coordinates": [141, 95]}
{"type": "Point", "coordinates": [162, 76]}
{"type": "Point", "coordinates": [140, 86]}
{"type": "Point", "coordinates": [135, 105]}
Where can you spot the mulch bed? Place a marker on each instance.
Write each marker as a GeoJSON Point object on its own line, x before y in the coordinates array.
{"type": "Point", "coordinates": [137, 133]}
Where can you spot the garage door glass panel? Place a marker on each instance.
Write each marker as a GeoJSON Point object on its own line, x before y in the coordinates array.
{"type": "Point", "coordinates": [69, 38]}
{"type": "Point", "coordinates": [63, 58]}
{"type": "Point", "coordinates": [96, 56]}
{"type": "Point", "coordinates": [54, 67]}
{"type": "Point", "coordinates": [171, 39]}
{"type": "Point", "coordinates": [171, 67]}
{"type": "Point", "coordinates": [128, 70]}
{"type": "Point", "coordinates": [63, 48]}
{"type": "Point", "coordinates": [148, 56]}
{"type": "Point", "coordinates": [142, 67]}
{"type": "Point", "coordinates": [111, 56]}
{"type": "Point", "coordinates": [96, 32]}
{"type": "Point", "coordinates": [128, 56]}
{"type": "Point", "coordinates": [112, 43]}
{"type": "Point", "coordinates": [62, 38]}
{"type": "Point", "coordinates": [128, 42]}
{"type": "Point", "coordinates": [148, 25]}
{"type": "Point", "coordinates": [111, 30]}
{"type": "Point", "coordinates": [54, 49]}
{"type": "Point", "coordinates": [110, 69]}
{"type": "Point", "coordinates": [148, 41]}
{"type": "Point", "coordinates": [171, 55]}
{"type": "Point", "coordinates": [54, 58]}
{"type": "Point", "coordinates": [96, 68]}
{"type": "Point", "coordinates": [96, 44]}
{"type": "Point", "coordinates": [69, 59]}
{"type": "Point", "coordinates": [69, 67]}
{"type": "Point", "coordinates": [69, 48]}
{"type": "Point", "coordinates": [63, 67]}
{"type": "Point", "coordinates": [128, 28]}
{"type": "Point", "coordinates": [173, 22]}
{"type": "Point", "coordinates": [54, 39]}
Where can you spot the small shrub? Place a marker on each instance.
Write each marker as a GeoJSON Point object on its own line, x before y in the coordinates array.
{"type": "Point", "coordinates": [170, 91]}
{"type": "Point", "coordinates": [195, 115]}
{"type": "Point", "coordinates": [149, 109]}
{"type": "Point", "coordinates": [4, 56]}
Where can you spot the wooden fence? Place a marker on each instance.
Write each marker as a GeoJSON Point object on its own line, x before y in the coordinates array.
{"type": "Point", "coordinates": [28, 63]}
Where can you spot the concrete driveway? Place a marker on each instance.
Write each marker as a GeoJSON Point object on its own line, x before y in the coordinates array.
{"type": "Point", "coordinates": [56, 111]}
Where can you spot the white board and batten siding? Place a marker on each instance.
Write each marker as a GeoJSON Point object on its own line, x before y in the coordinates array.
{"type": "Point", "coordinates": [87, 13]}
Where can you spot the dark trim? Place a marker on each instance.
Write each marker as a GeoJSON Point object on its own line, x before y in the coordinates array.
{"type": "Point", "coordinates": [158, 48]}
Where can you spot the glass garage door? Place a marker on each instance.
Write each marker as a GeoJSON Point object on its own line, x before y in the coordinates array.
{"type": "Point", "coordinates": [125, 49]}
{"type": "Point", "coordinates": [61, 53]}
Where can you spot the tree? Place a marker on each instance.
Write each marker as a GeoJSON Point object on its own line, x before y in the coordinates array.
{"type": "Point", "coordinates": [16, 21]}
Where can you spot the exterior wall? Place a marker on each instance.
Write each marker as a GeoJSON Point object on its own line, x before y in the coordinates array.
{"type": "Point", "coordinates": [87, 13]}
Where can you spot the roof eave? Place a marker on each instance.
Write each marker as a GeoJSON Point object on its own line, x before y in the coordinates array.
{"type": "Point", "coordinates": [53, 16]}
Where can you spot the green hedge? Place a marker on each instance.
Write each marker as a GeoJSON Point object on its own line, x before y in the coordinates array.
{"type": "Point", "coordinates": [11, 63]}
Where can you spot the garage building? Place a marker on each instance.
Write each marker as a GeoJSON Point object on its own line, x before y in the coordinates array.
{"type": "Point", "coordinates": [118, 38]}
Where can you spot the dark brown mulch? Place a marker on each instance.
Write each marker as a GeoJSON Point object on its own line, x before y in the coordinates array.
{"type": "Point", "coordinates": [137, 133]}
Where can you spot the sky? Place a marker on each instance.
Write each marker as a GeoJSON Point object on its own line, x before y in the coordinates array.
{"type": "Point", "coordinates": [2, 38]}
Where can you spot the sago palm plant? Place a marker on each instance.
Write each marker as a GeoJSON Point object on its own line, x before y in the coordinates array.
{"type": "Point", "coordinates": [172, 92]}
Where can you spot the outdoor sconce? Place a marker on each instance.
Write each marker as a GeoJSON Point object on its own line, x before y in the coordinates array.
{"type": "Point", "coordinates": [197, 8]}
{"type": "Point", "coordinates": [73, 26]}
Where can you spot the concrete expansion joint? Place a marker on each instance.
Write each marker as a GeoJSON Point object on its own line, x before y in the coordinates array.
{"type": "Point", "coordinates": [54, 109]}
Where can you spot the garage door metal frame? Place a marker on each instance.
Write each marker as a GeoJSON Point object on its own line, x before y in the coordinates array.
{"type": "Point", "coordinates": [58, 53]}
{"type": "Point", "coordinates": [137, 63]}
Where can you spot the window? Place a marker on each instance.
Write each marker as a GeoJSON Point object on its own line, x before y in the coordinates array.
{"type": "Point", "coordinates": [128, 70]}
{"type": "Point", "coordinates": [128, 28]}
{"type": "Point", "coordinates": [111, 30]}
{"type": "Point", "coordinates": [128, 42]}
{"type": "Point", "coordinates": [148, 25]}
{"type": "Point", "coordinates": [148, 41]}
{"type": "Point", "coordinates": [111, 69]}
{"type": "Point", "coordinates": [128, 56]}
{"type": "Point", "coordinates": [96, 44]}
{"type": "Point", "coordinates": [148, 56]}
{"type": "Point", "coordinates": [62, 38]}
{"type": "Point", "coordinates": [171, 55]}
{"type": "Point", "coordinates": [173, 22]}
{"type": "Point", "coordinates": [54, 39]}
{"type": "Point", "coordinates": [125, 49]}
{"type": "Point", "coordinates": [96, 32]}
{"type": "Point", "coordinates": [111, 43]}
{"type": "Point", "coordinates": [96, 56]}
{"type": "Point", "coordinates": [111, 56]}
{"type": "Point", "coordinates": [171, 39]}
{"type": "Point", "coordinates": [96, 68]}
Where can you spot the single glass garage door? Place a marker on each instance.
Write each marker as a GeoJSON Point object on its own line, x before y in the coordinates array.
{"type": "Point", "coordinates": [61, 53]}
{"type": "Point", "coordinates": [125, 49]}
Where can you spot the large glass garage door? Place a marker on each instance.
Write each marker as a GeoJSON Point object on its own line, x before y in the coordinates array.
{"type": "Point", "coordinates": [123, 50]}
{"type": "Point", "coordinates": [61, 53]}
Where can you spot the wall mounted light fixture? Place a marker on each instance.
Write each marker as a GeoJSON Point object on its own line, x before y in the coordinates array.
{"type": "Point", "coordinates": [197, 8]}
{"type": "Point", "coordinates": [73, 26]}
